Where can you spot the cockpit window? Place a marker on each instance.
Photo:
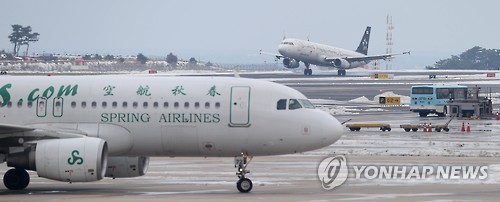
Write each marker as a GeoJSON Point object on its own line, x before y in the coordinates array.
{"type": "Point", "coordinates": [294, 104]}
{"type": "Point", "coordinates": [281, 105]}
{"type": "Point", "coordinates": [306, 103]}
{"type": "Point", "coordinates": [287, 43]}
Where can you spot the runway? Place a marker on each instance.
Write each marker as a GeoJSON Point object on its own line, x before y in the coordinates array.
{"type": "Point", "coordinates": [294, 177]}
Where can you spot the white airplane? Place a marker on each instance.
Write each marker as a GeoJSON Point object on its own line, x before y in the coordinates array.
{"type": "Point", "coordinates": [84, 128]}
{"type": "Point", "coordinates": [294, 51]}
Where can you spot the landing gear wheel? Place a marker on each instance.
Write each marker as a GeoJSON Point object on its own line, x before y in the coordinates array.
{"type": "Point", "coordinates": [16, 179]}
{"type": "Point", "coordinates": [341, 72]}
{"type": "Point", "coordinates": [244, 185]}
{"type": "Point", "coordinates": [308, 72]}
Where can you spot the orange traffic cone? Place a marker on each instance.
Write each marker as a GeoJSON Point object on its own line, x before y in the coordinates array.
{"type": "Point", "coordinates": [425, 127]}
{"type": "Point", "coordinates": [430, 128]}
{"type": "Point", "coordinates": [468, 127]}
{"type": "Point", "coordinates": [463, 127]}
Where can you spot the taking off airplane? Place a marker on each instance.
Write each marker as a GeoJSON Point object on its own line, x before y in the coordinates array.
{"type": "Point", "coordinates": [294, 51]}
{"type": "Point", "coordinates": [85, 128]}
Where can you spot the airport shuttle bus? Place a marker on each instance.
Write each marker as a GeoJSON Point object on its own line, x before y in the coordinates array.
{"type": "Point", "coordinates": [427, 99]}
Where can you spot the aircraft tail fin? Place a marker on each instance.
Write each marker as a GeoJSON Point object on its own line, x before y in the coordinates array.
{"type": "Point", "coordinates": [363, 45]}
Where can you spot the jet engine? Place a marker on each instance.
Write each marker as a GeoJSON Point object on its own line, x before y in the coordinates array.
{"type": "Point", "coordinates": [70, 160]}
{"type": "Point", "coordinates": [290, 63]}
{"type": "Point", "coordinates": [341, 63]}
{"type": "Point", "coordinates": [123, 166]}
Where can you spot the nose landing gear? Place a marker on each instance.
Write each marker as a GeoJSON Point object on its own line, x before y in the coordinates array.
{"type": "Point", "coordinates": [244, 185]}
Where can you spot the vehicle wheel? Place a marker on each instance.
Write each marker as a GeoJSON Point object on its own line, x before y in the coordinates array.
{"type": "Point", "coordinates": [244, 185]}
{"type": "Point", "coordinates": [16, 179]}
{"type": "Point", "coordinates": [414, 129]}
{"type": "Point", "coordinates": [306, 72]}
{"type": "Point", "coordinates": [352, 129]}
{"type": "Point", "coordinates": [438, 130]}
{"type": "Point", "coordinates": [407, 129]}
{"type": "Point", "coordinates": [358, 129]}
{"type": "Point", "coordinates": [310, 72]}
{"type": "Point", "coordinates": [446, 129]}
{"type": "Point", "coordinates": [388, 129]}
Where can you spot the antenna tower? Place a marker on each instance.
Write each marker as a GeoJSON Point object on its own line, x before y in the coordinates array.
{"type": "Point", "coordinates": [389, 43]}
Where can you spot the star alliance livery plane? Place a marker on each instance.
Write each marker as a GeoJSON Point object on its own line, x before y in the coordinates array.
{"type": "Point", "coordinates": [85, 128]}
{"type": "Point", "coordinates": [295, 50]}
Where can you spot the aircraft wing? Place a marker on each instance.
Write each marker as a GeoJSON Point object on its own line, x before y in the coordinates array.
{"type": "Point", "coordinates": [278, 56]}
{"type": "Point", "coordinates": [37, 132]}
{"type": "Point", "coordinates": [368, 58]}
{"type": "Point", "coordinates": [8, 128]}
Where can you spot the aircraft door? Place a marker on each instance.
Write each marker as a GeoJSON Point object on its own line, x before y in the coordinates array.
{"type": "Point", "coordinates": [57, 109]}
{"type": "Point", "coordinates": [41, 107]}
{"type": "Point", "coordinates": [240, 106]}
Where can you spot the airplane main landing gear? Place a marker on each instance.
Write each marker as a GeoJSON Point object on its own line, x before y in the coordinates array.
{"type": "Point", "coordinates": [308, 72]}
{"type": "Point", "coordinates": [244, 185]}
{"type": "Point", "coordinates": [341, 72]}
{"type": "Point", "coordinates": [16, 179]}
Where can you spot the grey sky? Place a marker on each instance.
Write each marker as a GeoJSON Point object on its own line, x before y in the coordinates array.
{"type": "Point", "coordinates": [234, 31]}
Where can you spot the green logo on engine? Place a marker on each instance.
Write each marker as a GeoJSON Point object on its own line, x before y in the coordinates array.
{"type": "Point", "coordinates": [74, 158]}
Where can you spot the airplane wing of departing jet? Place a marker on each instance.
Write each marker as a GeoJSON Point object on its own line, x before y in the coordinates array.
{"type": "Point", "coordinates": [368, 58]}
{"type": "Point", "coordinates": [278, 56]}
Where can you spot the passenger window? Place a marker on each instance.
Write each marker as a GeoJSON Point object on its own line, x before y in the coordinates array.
{"type": "Point", "coordinates": [207, 105]}
{"type": "Point", "coordinates": [165, 105]}
{"type": "Point", "coordinates": [176, 105]}
{"type": "Point", "coordinates": [134, 104]}
{"type": "Point", "coordinates": [73, 104]}
{"type": "Point", "coordinates": [294, 104]}
{"type": "Point", "coordinates": [20, 104]}
{"type": "Point", "coordinates": [9, 104]}
{"type": "Point", "coordinates": [30, 104]}
{"type": "Point", "coordinates": [281, 105]}
{"type": "Point", "coordinates": [125, 105]}
{"type": "Point", "coordinates": [114, 105]}
{"type": "Point", "coordinates": [94, 105]}
{"type": "Point", "coordinates": [217, 105]}
{"type": "Point", "coordinates": [145, 105]}
{"type": "Point", "coordinates": [196, 105]}
{"type": "Point", "coordinates": [155, 105]}
{"type": "Point", "coordinates": [186, 105]}
{"type": "Point", "coordinates": [84, 104]}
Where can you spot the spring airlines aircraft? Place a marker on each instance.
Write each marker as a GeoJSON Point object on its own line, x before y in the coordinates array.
{"type": "Point", "coordinates": [295, 50]}
{"type": "Point", "coordinates": [84, 128]}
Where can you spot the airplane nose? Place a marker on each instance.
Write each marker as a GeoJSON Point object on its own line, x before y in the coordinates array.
{"type": "Point", "coordinates": [332, 129]}
{"type": "Point", "coordinates": [281, 49]}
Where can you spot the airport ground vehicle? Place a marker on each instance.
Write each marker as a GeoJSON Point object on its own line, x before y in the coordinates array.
{"type": "Point", "coordinates": [427, 99]}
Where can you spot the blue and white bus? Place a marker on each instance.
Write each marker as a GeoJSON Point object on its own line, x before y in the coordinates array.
{"type": "Point", "coordinates": [427, 99]}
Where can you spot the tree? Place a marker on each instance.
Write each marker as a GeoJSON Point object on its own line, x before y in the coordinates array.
{"type": "Point", "coordinates": [22, 36]}
{"type": "Point", "coordinates": [87, 57]}
{"type": "Point", "coordinates": [192, 61]}
{"type": "Point", "coordinates": [141, 58]}
{"type": "Point", "coordinates": [172, 59]}
{"type": "Point", "coordinates": [109, 57]}
{"type": "Point", "coordinates": [16, 36]}
{"type": "Point", "coordinates": [474, 58]}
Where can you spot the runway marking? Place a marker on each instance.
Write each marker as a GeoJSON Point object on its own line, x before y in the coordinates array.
{"type": "Point", "coordinates": [181, 192]}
